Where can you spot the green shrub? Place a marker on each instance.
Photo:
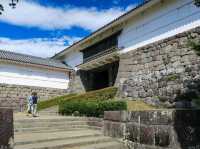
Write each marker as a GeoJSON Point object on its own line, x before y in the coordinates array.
{"type": "Point", "coordinates": [102, 94]}
{"type": "Point", "coordinates": [197, 3]}
{"type": "Point", "coordinates": [195, 46]}
{"type": "Point", "coordinates": [52, 102]}
{"type": "Point", "coordinates": [172, 77]}
{"type": "Point", "coordinates": [90, 108]}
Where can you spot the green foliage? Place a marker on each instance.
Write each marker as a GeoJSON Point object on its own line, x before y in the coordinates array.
{"type": "Point", "coordinates": [102, 94]}
{"type": "Point", "coordinates": [92, 103]}
{"type": "Point", "coordinates": [52, 102]}
{"type": "Point", "coordinates": [172, 77]}
{"type": "Point", "coordinates": [195, 46]}
{"type": "Point", "coordinates": [197, 3]}
{"type": "Point", "coordinates": [90, 108]}
{"type": "Point", "coordinates": [12, 4]}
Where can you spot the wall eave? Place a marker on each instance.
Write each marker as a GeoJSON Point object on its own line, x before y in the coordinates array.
{"type": "Point", "coordinates": [108, 29]}
{"type": "Point", "coordinates": [35, 65]}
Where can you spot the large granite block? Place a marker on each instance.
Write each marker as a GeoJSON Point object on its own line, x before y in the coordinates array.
{"type": "Point", "coordinates": [114, 129]}
{"type": "Point", "coordinates": [173, 129]}
{"type": "Point", "coordinates": [6, 129]}
{"type": "Point", "coordinates": [147, 135]}
{"type": "Point", "coordinates": [118, 116]}
{"type": "Point", "coordinates": [163, 136]}
{"type": "Point", "coordinates": [133, 132]}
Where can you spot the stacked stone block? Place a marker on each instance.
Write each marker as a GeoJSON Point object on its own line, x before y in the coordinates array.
{"type": "Point", "coordinates": [6, 129]}
{"type": "Point", "coordinates": [167, 69]}
{"type": "Point", "coordinates": [170, 129]}
{"type": "Point", "coordinates": [10, 94]}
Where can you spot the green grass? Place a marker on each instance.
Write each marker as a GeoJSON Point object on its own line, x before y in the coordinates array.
{"type": "Point", "coordinates": [139, 106]}
{"type": "Point", "coordinates": [53, 102]}
{"type": "Point", "coordinates": [172, 77]}
{"type": "Point", "coordinates": [102, 94]}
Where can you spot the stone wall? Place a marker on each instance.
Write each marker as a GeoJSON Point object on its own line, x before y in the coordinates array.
{"type": "Point", "coordinates": [170, 129]}
{"type": "Point", "coordinates": [10, 94]}
{"type": "Point", "coordinates": [6, 129]}
{"type": "Point", "coordinates": [166, 70]}
{"type": "Point", "coordinates": [76, 83]}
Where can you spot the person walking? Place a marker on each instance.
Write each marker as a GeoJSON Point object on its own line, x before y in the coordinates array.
{"type": "Point", "coordinates": [34, 105]}
{"type": "Point", "coordinates": [29, 104]}
{"type": "Point", "coordinates": [21, 104]}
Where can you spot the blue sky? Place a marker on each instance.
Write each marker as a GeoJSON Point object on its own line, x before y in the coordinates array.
{"type": "Point", "coordinates": [45, 27]}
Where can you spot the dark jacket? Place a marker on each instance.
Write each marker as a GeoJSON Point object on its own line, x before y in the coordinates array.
{"type": "Point", "coordinates": [34, 99]}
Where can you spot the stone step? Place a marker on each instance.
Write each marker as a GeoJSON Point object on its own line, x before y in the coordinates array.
{"type": "Point", "coordinates": [59, 132]}
{"type": "Point", "coordinates": [104, 145]}
{"type": "Point", "coordinates": [49, 119]}
{"type": "Point", "coordinates": [45, 124]}
{"type": "Point", "coordinates": [49, 113]}
{"type": "Point", "coordinates": [54, 108]}
{"type": "Point", "coordinates": [69, 143]}
{"type": "Point", "coordinates": [31, 138]}
{"type": "Point", "coordinates": [50, 131]}
{"type": "Point", "coordinates": [53, 129]}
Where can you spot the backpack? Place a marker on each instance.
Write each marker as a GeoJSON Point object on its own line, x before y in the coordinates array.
{"type": "Point", "coordinates": [34, 98]}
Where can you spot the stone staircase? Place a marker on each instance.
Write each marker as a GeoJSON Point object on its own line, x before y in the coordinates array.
{"type": "Point", "coordinates": [58, 132]}
{"type": "Point", "coordinates": [50, 111]}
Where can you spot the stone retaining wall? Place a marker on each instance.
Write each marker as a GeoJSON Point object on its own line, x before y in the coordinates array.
{"type": "Point", "coordinates": [165, 70]}
{"type": "Point", "coordinates": [170, 129]}
{"type": "Point", "coordinates": [10, 94]}
{"type": "Point", "coordinates": [6, 129]}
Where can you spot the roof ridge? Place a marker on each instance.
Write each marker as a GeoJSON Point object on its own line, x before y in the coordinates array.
{"type": "Point", "coordinates": [21, 54]}
{"type": "Point", "coordinates": [11, 52]}
{"type": "Point", "coordinates": [25, 58]}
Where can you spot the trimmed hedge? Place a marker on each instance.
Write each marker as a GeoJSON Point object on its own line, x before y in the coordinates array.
{"type": "Point", "coordinates": [53, 102]}
{"type": "Point", "coordinates": [90, 108]}
{"type": "Point", "coordinates": [102, 94]}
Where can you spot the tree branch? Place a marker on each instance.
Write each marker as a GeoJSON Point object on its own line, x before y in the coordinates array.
{"type": "Point", "coordinates": [197, 3]}
{"type": "Point", "coordinates": [12, 4]}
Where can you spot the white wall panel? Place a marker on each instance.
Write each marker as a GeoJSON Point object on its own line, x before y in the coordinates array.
{"type": "Point", "coordinates": [157, 22]}
{"type": "Point", "coordinates": [18, 75]}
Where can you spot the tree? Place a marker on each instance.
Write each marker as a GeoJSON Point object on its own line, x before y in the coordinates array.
{"type": "Point", "coordinates": [197, 3]}
{"type": "Point", "coordinates": [12, 4]}
{"type": "Point", "coordinates": [195, 46]}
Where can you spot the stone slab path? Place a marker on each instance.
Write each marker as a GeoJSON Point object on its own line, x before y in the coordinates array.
{"type": "Point", "coordinates": [59, 132]}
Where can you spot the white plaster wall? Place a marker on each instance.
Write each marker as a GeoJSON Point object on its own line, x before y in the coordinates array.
{"type": "Point", "coordinates": [159, 22]}
{"type": "Point", "coordinates": [74, 58]}
{"type": "Point", "coordinates": [18, 75]}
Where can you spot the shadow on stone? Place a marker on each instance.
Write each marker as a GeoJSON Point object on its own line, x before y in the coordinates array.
{"type": "Point", "coordinates": [187, 128]}
{"type": "Point", "coordinates": [6, 129]}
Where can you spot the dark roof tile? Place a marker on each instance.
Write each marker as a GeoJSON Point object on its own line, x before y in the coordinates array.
{"type": "Point", "coordinates": [12, 56]}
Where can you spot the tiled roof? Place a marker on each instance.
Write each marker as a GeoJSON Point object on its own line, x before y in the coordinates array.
{"type": "Point", "coordinates": [28, 59]}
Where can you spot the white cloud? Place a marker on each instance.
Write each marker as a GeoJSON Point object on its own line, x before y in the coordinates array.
{"type": "Point", "coordinates": [32, 14]}
{"type": "Point", "coordinates": [42, 47]}
{"type": "Point", "coordinates": [131, 7]}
